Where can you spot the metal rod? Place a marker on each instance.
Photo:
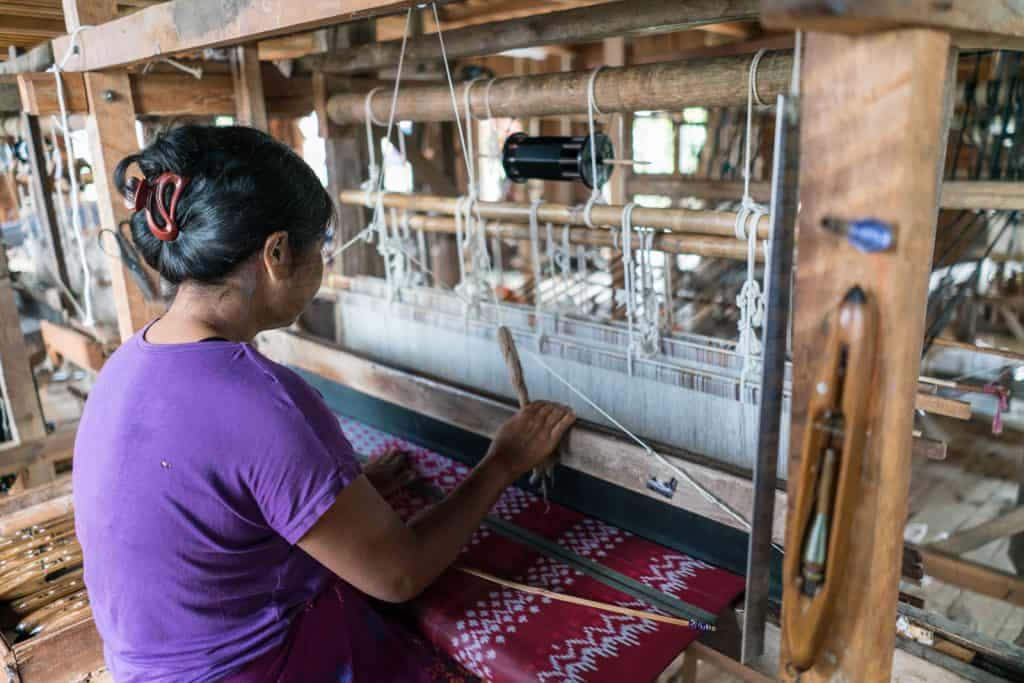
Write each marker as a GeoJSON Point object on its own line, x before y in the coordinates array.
{"type": "Point", "coordinates": [773, 368]}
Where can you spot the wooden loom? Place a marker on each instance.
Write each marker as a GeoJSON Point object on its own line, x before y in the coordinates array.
{"type": "Point", "coordinates": [895, 178]}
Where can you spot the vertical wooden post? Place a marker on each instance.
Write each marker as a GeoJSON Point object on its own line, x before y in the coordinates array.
{"type": "Point", "coordinates": [111, 128]}
{"type": "Point", "coordinates": [250, 104]}
{"type": "Point", "coordinates": [88, 12]}
{"type": "Point", "coordinates": [42, 200]}
{"type": "Point", "coordinates": [872, 113]}
{"type": "Point", "coordinates": [17, 384]}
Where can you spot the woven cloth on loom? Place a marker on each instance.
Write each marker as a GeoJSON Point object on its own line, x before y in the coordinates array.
{"type": "Point", "coordinates": [506, 636]}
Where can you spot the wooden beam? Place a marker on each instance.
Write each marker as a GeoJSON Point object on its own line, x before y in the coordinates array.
{"type": "Point", "coordinates": [31, 26]}
{"type": "Point", "coordinates": [17, 384]}
{"type": "Point", "coordinates": [112, 137]}
{"type": "Point", "coordinates": [179, 26]}
{"type": "Point", "coordinates": [64, 342]}
{"type": "Point", "coordinates": [956, 194]}
{"type": "Point", "coordinates": [972, 576]}
{"type": "Point", "coordinates": [42, 201]}
{"type": "Point", "coordinates": [168, 94]}
{"type": "Point", "coordinates": [589, 450]}
{"type": "Point", "coordinates": [250, 103]}
{"type": "Point", "coordinates": [967, 540]}
{"type": "Point", "coordinates": [982, 194]}
{"type": "Point", "coordinates": [682, 186]}
{"type": "Point", "coordinates": [717, 82]}
{"type": "Point", "coordinates": [977, 24]}
{"type": "Point", "coordinates": [938, 405]}
{"type": "Point", "coordinates": [582, 25]}
{"type": "Point", "coordinates": [884, 94]}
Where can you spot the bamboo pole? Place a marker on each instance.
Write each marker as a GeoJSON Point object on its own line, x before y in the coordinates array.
{"type": "Point", "coordinates": [717, 82]}
{"type": "Point", "coordinates": [681, 221]}
{"type": "Point", "coordinates": [702, 245]}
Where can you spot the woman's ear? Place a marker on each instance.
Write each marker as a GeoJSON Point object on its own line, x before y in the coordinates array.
{"type": "Point", "coordinates": [277, 255]}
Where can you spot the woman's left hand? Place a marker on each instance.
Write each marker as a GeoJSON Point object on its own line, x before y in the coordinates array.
{"type": "Point", "coordinates": [390, 472]}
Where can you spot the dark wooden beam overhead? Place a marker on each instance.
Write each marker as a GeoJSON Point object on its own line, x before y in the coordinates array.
{"type": "Point", "coordinates": [577, 25]}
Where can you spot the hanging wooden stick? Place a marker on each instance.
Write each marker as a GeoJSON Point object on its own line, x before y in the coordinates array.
{"type": "Point", "coordinates": [515, 368]}
{"type": "Point", "coordinates": [584, 602]}
{"type": "Point", "coordinates": [515, 372]}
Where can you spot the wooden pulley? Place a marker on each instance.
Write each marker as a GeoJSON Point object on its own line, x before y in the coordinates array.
{"type": "Point", "coordinates": [829, 486]}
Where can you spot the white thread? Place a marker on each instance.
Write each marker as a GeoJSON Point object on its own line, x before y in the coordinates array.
{"type": "Point", "coordinates": [592, 111]}
{"type": "Point", "coordinates": [753, 77]}
{"type": "Point", "coordinates": [794, 81]}
{"type": "Point", "coordinates": [627, 263]}
{"type": "Point", "coordinates": [535, 258]}
{"type": "Point", "coordinates": [76, 219]}
{"type": "Point", "coordinates": [487, 99]}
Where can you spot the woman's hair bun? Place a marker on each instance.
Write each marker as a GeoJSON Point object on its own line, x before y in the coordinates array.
{"type": "Point", "coordinates": [243, 185]}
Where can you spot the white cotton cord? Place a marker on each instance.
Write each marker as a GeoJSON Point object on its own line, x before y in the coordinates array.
{"type": "Point", "coordinates": [535, 260]}
{"type": "Point", "coordinates": [451, 89]}
{"type": "Point", "coordinates": [195, 72]}
{"type": "Point", "coordinates": [794, 81]}
{"type": "Point", "coordinates": [373, 170]}
{"type": "Point", "coordinates": [76, 220]}
{"type": "Point", "coordinates": [487, 101]}
{"type": "Point", "coordinates": [592, 112]}
{"type": "Point", "coordinates": [627, 263]}
{"type": "Point", "coordinates": [753, 77]}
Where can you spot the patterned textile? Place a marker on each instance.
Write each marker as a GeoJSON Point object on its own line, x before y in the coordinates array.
{"type": "Point", "coordinates": [507, 636]}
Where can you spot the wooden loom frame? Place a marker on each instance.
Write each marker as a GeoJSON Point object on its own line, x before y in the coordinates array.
{"type": "Point", "coordinates": [114, 99]}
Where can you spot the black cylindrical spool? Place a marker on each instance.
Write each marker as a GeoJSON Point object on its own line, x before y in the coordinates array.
{"type": "Point", "coordinates": [557, 158]}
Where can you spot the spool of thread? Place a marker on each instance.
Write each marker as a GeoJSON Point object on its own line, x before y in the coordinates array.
{"type": "Point", "coordinates": [557, 158]}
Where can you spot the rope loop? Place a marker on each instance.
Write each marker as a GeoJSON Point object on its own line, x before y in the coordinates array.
{"type": "Point", "coordinates": [368, 107]}
{"type": "Point", "coordinates": [754, 63]}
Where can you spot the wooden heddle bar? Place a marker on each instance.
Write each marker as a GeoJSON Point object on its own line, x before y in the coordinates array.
{"type": "Point", "coordinates": [678, 221]}
{"type": "Point", "coordinates": [701, 245]}
{"type": "Point", "coordinates": [717, 82]}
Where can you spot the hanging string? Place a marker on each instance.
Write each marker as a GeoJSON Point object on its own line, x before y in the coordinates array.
{"type": "Point", "coordinates": [592, 112]}
{"type": "Point", "coordinates": [72, 174]}
{"type": "Point", "coordinates": [535, 356]}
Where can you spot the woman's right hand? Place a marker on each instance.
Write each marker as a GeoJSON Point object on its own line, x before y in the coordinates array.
{"type": "Point", "coordinates": [528, 438]}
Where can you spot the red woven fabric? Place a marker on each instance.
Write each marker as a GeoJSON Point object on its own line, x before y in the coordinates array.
{"type": "Point", "coordinates": [507, 636]}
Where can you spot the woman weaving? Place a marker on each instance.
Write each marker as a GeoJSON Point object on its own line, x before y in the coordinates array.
{"type": "Point", "coordinates": [227, 528]}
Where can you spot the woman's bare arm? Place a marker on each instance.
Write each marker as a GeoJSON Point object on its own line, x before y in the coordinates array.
{"type": "Point", "coordinates": [362, 540]}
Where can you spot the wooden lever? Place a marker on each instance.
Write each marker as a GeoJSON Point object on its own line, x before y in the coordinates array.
{"type": "Point", "coordinates": [515, 368]}
{"type": "Point", "coordinates": [829, 478]}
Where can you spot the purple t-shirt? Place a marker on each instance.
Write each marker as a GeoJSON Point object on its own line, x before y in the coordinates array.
{"type": "Point", "coordinates": [197, 468]}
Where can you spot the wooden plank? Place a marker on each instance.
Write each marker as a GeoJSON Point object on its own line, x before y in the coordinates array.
{"type": "Point", "coordinates": [39, 93]}
{"type": "Point", "coordinates": [67, 654]}
{"type": "Point", "coordinates": [980, 23]}
{"type": "Point", "coordinates": [964, 541]}
{"type": "Point", "coordinates": [589, 450]}
{"type": "Point", "coordinates": [164, 93]}
{"type": "Point", "coordinates": [179, 26]}
{"type": "Point", "coordinates": [886, 93]}
{"type": "Point", "coordinates": [716, 82]}
{"type": "Point", "coordinates": [676, 186]}
{"type": "Point", "coordinates": [950, 407]}
{"type": "Point", "coordinates": [582, 25]}
{"type": "Point", "coordinates": [62, 341]}
{"type": "Point", "coordinates": [973, 576]}
{"type": "Point", "coordinates": [17, 383]}
{"type": "Point", "coordinates": [250, 103]}
{"type": "Point", "coordinates": [982, 194]}
{"type": "Point", "coordinates": [111, 130]}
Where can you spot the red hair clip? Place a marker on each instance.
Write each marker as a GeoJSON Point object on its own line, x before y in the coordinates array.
{"type": "Point", "coordinates": [140, 195]}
